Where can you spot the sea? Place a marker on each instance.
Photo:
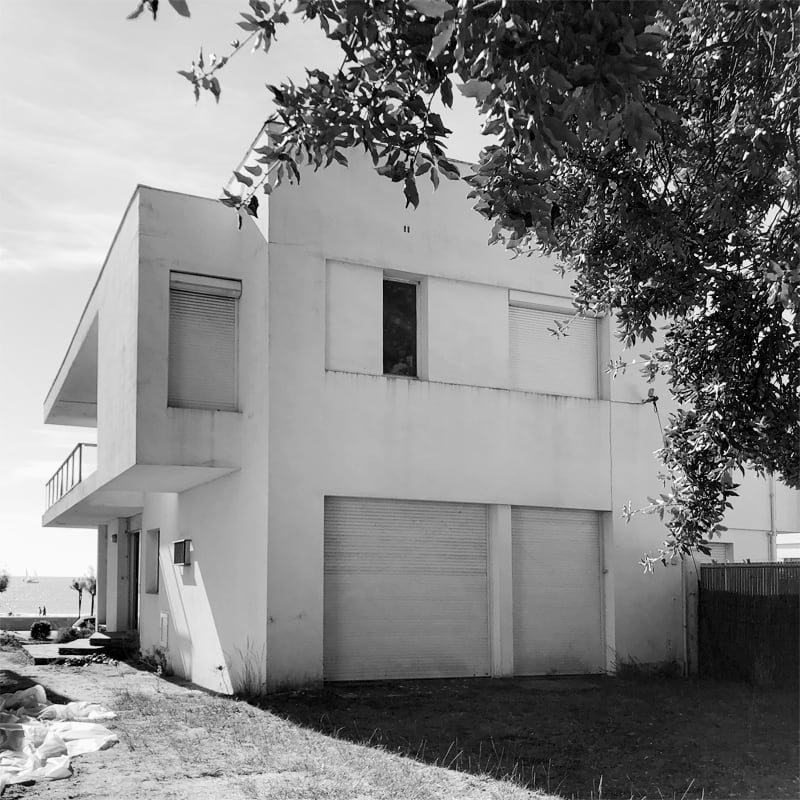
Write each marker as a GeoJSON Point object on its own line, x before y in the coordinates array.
{"type": "Point", "coordinates": [52, 593]}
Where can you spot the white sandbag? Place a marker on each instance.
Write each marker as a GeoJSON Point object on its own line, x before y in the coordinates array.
{"type": "Point", "coordinates": [83, 737]}
{"type": "Point", "coordinates": [79, 711]}
{"type": "Point", "coordinates": [31, 701]}
{"type": "Point", "coordinates": [37, 739]}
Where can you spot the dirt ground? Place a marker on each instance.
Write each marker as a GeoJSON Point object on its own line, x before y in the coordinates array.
{"type": "Point", "coordinates": [180, 743]}
{"type": "Point", "coordinates": [120, 772]}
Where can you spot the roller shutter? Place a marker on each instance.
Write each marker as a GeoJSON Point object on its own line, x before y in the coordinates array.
{"type": "Point", "coordinates": [405, 589]}
{"type": "Point", "coordinates": [202, 350]}
{"type": "Point", "coordinates": [721, 553]}
{"type": "Point", "coordinates": [541, 362]}
{"type": "Point", "coordinates": [557, 591]}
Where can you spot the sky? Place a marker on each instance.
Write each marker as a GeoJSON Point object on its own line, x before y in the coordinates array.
{"type": "Point", "coordinates": [90, 106]}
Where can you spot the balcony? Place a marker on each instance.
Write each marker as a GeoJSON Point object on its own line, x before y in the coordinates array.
{"type": "Point", "coordinates": [82, 461]}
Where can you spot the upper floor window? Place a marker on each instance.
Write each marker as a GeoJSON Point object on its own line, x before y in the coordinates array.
{"type": "Point", "coordinates": [203, 342]}
{"type": "Point", "coordinates": [542, 362]}
{"type": "Point", "coordinates": [399, 328]}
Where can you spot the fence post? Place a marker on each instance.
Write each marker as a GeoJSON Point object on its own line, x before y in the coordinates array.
{"type": "Point", "coordinates": [690, 587]}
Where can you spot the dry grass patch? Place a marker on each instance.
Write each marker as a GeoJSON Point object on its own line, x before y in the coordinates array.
{"type": "Point", "coordinates": [650, 739]}
{"type": "Point", "coordinates": [201, 736]}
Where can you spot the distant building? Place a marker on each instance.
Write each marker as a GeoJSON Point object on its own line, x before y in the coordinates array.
{"type": "Point", "coordinates": [341, 443]}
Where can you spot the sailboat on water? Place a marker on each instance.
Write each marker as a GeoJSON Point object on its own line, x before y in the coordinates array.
{"type": "Point", "coordinates": [33, 578]}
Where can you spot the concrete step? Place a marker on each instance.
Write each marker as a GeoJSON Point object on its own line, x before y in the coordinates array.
{"type": "Point", "coordinates": [116, 642]}
{"type": "Point", "coordinates": [80, 647]}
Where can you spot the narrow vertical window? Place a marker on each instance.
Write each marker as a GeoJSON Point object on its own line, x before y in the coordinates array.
{"type": "Point", "coordinates": [151, 548]}
{"type": "Point", "coordinates": [399, 328]}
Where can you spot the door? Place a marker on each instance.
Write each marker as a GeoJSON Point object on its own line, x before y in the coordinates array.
{"type": "Point", "coordinates": [405, 589]}
{"type": "Point", "coordinates": [557, 591]}
{"type": "Point", "coordinates": [133, 580]}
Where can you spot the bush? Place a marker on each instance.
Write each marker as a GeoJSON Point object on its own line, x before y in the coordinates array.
{"type": "Point", "coordinates": [40, 630]}
{"type": "Point", "coordinates": [9, 640]}
{"type": "Point", "coordinates": [66, 635]}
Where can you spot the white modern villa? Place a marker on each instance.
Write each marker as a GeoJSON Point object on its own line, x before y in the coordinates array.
{"type": "Point", "coordinates": [341, 444]}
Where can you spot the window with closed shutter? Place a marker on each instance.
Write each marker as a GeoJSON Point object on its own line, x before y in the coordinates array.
{"type": "Point", "coordinates": [542, 362]}
{"type": "Point", "coordinates": [203, 343]}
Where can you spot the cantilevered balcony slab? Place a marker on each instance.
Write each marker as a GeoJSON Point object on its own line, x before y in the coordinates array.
{"type": "Point", "coordinates": [72, 399]}
{"type": "Point", "coordinates": [88, 504]}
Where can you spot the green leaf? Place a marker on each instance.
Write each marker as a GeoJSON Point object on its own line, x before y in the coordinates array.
{"type": "Point", "coordinates": [480, 90]}
{"type": "Point", "coordinates": [444, 32]}
{"type": "Point", "coordinates": [245, 179]}
{"type": "Point", "coordinates": [410, 191]}
{"type": "Point", "coordinates": [561, 131]}
{"type": "Point", "coordinates": [431, 8]}
{"type": "Point", "coordinates": [181, 7]}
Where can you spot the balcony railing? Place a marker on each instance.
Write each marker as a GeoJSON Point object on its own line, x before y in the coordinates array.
{"type": "Point", "coordinates": [81, 462]}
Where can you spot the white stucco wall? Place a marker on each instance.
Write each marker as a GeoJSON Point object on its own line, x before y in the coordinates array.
{"type": "Point", "coordinates": [340, 433]}
{"type": "Point", "coordinates": [217, 604]}
{"type": "Point", "coordinates": [318, 418]}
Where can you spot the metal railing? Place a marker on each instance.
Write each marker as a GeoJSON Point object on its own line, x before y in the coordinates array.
{"type": "Point", "coordinates": [76, 466]}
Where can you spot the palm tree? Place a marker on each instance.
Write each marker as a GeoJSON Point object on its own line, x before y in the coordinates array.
{"type": "Point", "coordinates": [90, 584]}
{"type": "Point", "coordinates": [78, 587]}
{"type": "Point", "coordinates": [3, 580]}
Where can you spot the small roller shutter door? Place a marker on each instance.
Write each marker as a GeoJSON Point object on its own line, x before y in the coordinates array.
{"type": "Point", "coordinates": [541, 362]}
{"type": "Point", "coordinates": [721, 553]}
{"type": "Point", "coordinates": [405, 589]}
{"type": "Point", "coordinates": [202, 350]}
{"type": "Point", "coordinates": [557, 591]}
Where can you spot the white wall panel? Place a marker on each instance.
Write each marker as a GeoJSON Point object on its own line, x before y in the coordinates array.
{"type": "Point", "coordinates": [353, 318]}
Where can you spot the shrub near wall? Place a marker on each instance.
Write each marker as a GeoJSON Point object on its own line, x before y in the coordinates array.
{"type": "Point", "coordinates": [754, 638]}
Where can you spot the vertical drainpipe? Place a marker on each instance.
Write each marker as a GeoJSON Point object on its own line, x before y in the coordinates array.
{"type": "Point", "coordinates": [772, 535]}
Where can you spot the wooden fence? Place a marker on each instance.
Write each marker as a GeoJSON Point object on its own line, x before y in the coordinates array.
{"type": "Point", "coordinates": [765, 580]}
{"type": "Point", "coordinates": [749, 622]}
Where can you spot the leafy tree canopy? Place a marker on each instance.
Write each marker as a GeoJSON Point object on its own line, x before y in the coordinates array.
{"type": "Point", "coordinates": [651, 145]}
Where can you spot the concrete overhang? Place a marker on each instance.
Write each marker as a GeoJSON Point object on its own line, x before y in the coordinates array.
{"type": "Point", "coordinates": [87, 504]}
{"type": "Point", "coordinates": [72, 399]}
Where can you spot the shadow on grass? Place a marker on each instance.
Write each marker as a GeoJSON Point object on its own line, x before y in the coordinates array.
{"type": "Point", "coordinates": [660, 738]}
{"type": "Point", "coordinates": [11, 681]}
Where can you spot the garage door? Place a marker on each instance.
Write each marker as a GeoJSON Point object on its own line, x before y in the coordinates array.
{"type": "Point", "coordinates": [557, 591]}
{"type": "Point", "coordinates": [405, 589]}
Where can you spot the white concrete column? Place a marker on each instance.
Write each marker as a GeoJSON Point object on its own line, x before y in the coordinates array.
{"type": "Point", "coordinates": [102, 573]}
{"type": "Point", "coordinates": [501, 599]}
{"type": "Point", "coordinates": [117, 576]}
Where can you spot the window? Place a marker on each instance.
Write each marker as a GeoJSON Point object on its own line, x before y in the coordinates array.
{"type": "Point", "coordinates": [151, 546]}
{"type": "Point", "coordinates": [542, 362]}
{"type": "Point", "coordinates": [203, 342]}
{"type": "Point", "coordinates": [399, 328]}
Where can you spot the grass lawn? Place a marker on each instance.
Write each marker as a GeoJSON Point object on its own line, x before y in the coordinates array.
{"type": "Point", "coordinates": [645, 738]}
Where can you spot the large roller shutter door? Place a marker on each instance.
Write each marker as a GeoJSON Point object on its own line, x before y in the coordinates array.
{"type": "Point", "coordinates": [405, 589]}
{"type": "Point", "coordinates": [557, 591]}
{"type": "Point", "coordinates": [541, 362]}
